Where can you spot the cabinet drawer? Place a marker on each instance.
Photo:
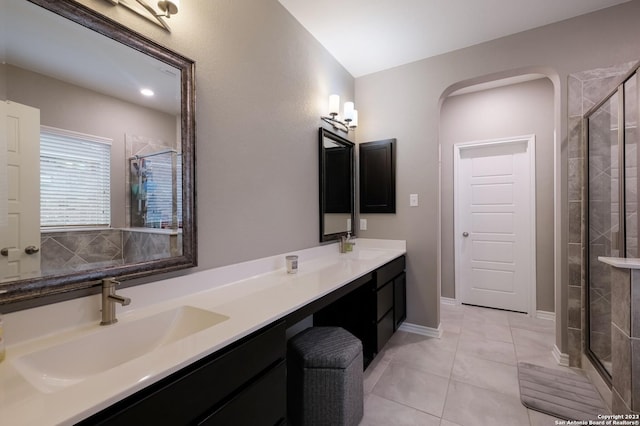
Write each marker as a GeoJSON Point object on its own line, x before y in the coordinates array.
{"type": "Point", "coordinates": [384, 298]}
{"type": "Point", "coordinates": [399, 300]}
{"type": "Point", "coordinates": [387, 272]}
{"type": "Point", "coordinates": [384, 330]}
{"type": "Point", "coordinates": [262, 403]}
{"type": "Point", "coordinates": [197, 389]}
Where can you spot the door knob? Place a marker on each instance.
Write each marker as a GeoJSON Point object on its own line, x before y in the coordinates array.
{"type": "Point", "coordinates": [465, 234]}
{"type": "Point", "coordinates": [4, 251]}
{"type": "Point", "coordinates": [31, 250]}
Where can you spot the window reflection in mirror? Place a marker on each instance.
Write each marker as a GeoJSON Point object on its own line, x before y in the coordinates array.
{"type": "Point", "coordinates": [94, 167]}
{"type": "Point", "coordinates": [336, 186]}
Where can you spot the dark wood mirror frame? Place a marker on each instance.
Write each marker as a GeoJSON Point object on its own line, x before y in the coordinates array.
{"type": "Point", "coordinates": [344, 198]}
{"type": "Point", "coordinates": [32, 292]}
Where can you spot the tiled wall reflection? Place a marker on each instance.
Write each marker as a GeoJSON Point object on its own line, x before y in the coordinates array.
{"type": "Point", "coordinates": [73, 251]}
{"type": "Point", "coordinates": [145, 246]}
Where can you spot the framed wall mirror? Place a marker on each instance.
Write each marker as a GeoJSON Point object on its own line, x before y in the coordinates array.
{"type": "Point", "coordinates": [336, 186]}
{"type": "Point", "coordinates": [96, 153]}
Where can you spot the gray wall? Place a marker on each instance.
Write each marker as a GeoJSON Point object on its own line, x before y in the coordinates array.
{"type": "Point", "coordinates": [3, 82]}
{"type": "Point", "coordinates": [74, 108]}
{"type": "Point", "coordinates": [404, 103]}
{"type": "Point", "coordinates": [262, 82]}
{"type": "Point", "coordinates": [513, 110]}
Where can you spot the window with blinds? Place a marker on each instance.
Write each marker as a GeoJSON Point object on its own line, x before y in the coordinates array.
{"type": "Point", "coordinates": [75, 178]}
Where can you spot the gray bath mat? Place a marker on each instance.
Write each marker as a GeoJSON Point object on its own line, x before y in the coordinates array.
{"type": "Point", "coordinates": [562, 394]}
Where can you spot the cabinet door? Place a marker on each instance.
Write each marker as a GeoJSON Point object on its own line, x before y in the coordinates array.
{"type": "Point", "coordinates": [399, 300]}
{"type": "Point", "coordinates": [384, 330]}
{"type": "Point", "coordinates": [385, 298]}
{"type": "Point", "coordinates": [377, 177]}
{"type": "Point", "coordinates": [262, 403]}
{"type": "Point", "coordinates": [200, 388]}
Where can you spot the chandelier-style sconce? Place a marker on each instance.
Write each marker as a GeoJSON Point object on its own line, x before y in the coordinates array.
{"type": "Point", "coordinates": [142, 8]}
{"type": "Point", "coordinates": [350, 121]}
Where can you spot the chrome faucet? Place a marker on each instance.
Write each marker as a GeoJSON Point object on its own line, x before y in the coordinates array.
{"type": "Point", "coordinates": [109, 300]}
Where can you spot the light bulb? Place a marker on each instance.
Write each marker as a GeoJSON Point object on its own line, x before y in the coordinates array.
{"type": "Point", "coordinates": [348, 111]}
{"type": "Point", "coordinates": [334, 105]}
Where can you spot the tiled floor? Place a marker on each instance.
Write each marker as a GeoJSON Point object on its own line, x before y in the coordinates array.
{"type": "Point", "coordinates": [466, 378]}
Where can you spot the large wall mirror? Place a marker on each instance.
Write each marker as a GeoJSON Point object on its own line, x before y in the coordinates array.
{"type": "Point", "coordinates": [336, 186]}
{"type": "Point", "coordinates": [96, 153]}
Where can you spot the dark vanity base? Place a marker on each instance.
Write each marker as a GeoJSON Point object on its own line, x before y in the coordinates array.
{"type": "Point", "coordinates": [245, 383]}
{"type": "Point", "coordinates": [372, 312]}
{"type": "Point", "coordinates": [232, 383]}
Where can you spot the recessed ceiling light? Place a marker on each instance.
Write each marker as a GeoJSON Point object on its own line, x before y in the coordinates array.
{"type": "Point", "coordinates": [147, 92]}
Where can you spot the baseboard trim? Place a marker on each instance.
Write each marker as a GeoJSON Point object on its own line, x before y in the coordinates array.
{"type": "Point", "coordinates": [561, 359]}
{"type": "Point", "coordinates": [422, 330]}
{"type": "Point", "coordinates": [546, 315]}
{"type": "Point", "coordinates": [448, 301]}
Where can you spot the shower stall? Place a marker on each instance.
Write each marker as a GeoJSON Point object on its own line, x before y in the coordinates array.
{"type": "Point", "coordinates": [156, 190]}
{"type": "Point", "coordinates": [611, 216]}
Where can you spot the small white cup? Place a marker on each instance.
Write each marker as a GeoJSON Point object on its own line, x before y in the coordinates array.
{"type": "Point", "coordinates": [292, 264]}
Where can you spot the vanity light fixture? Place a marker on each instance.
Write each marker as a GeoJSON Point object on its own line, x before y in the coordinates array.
{"type": "Point", "coordinates": [168, 8]}
{"type": "Point", "coordinates": [350, 121]}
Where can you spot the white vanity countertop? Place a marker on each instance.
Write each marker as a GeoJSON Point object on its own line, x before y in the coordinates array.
{"type": "Point", "coordinates": [252, 294]}
{"type": "Point", "coordinates": [621, 262]}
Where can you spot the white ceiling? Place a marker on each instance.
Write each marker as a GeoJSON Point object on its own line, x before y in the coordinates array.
{"type": "Point", "coordinates": [366, 36]}
{"type": "Point", "coordinates": [35, 39]}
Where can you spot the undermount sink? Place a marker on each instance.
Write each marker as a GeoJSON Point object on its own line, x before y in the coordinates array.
{"type": "Point", "coordinates": [71, 362]}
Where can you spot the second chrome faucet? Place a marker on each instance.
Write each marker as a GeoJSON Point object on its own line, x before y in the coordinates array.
{"type": "Point", "coordinates": [109, 300]}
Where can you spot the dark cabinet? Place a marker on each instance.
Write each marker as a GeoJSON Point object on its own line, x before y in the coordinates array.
{"type": "Point", "coordinates": [260, 404]}
{"type": "Point", "coordinates": [377, 176]}
{"type": "Point", "coordinates": [373, 312]}
{"type": "Point", "coordinates": [387, 301]}
{"type": "Point", "coordinates": [245, 382]}
{"type": "Point", "coordinates": [399, 300]}
{"type": "Point", "coordinates": [231, 387]}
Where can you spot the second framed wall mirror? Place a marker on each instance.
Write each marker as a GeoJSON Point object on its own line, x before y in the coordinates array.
{"type": "Point", "coordinates": [337, 186]}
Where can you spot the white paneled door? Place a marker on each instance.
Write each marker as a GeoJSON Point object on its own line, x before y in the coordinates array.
{"type": "Point", "coordinates": [495, 223]}
{"type": "Point", "coordinates": [20, 232]}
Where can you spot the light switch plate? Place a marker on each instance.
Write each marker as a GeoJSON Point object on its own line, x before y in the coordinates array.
{"type": "Point", "coordinates": [363, 224]}
{"type": "Point", "coordinates": [413, 200]}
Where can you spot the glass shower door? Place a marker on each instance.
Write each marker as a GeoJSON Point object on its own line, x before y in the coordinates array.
{"type": "Point", "coordinates": [631, 165]}
{"type": "Point", "coordinates": [613, 223]}
{"type": "Point", "coordinates": [604, 234]}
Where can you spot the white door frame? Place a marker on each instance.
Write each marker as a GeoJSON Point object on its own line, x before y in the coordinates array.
{"type": "Point", "coordinates": [530, 141]}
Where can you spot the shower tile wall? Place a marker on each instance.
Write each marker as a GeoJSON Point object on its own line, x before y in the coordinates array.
{"type": "Point", "coordinates": [145, 246]}
{"type": "Point", "coordinates": [585, 90]}
{"type": "Point", "coordinates": [625, 326]}
{"type": "Point", "coordinates": [63, 252]}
